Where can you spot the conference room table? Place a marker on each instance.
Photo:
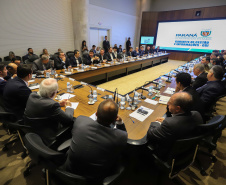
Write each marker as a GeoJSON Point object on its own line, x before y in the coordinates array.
{"type": "Point", "coordinates": [136, 129]}
{"type": "Point", "coordinates": [89, 73]}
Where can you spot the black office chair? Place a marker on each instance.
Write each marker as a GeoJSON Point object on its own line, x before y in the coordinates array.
{"type": "Point", "coordinates": [70, 54]}
{"type": "Point", "coordinates": [6, 58]}
{"type": "Point", "coordinates": [53, 160]}
{"type": "Point", "coordinates": [31, 59]}
{"type": "Point", "coordinates": [212, 131]}
{"type": "Point", "coordinates": [0, 59]}
{"type": "Point", "coordinates": [181, 155]}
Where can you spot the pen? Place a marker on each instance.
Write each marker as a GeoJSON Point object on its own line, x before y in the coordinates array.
{"type": "Point", "coordinates": [153, 97]}
{"type": "Point", "coordinates": [131, 120]}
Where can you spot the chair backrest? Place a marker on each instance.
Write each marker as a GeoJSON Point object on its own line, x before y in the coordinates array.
{"type": "Point", "coordinates": [0, 59]}
{"type": "Point", "coordinates": [220, 107]}
{"type": "Point", "coordinates": [70, 54]}
{"type": "Point", "coordinates": [6, 62]}
{"type": "Point", "coordinates": [40, 153]}
{"type": "Point", "coordinates": [33, 58]}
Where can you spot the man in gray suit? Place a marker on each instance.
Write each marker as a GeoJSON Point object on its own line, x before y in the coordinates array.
{"type": "Point", "coordinates": [164, 132]}
{"type": "Point", "coordinates": [41, 65]}
{"type": "Point", "coordinates": [96, 145]}
{"type": "Point", "coordinates": [44, 114]}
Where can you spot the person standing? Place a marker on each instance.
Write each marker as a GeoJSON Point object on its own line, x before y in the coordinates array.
{"type": "Point", "coordinates": [128, 44]}
{"type": "Point", "coordinates": [106, 44]}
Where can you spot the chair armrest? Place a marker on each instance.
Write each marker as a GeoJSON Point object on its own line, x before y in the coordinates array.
{"type": "Point", "coordinates": [62, 132]}
{"type": "Point", "coordinates": [64, 146]}
{"type": "Point", "coordinates": [141, 141]}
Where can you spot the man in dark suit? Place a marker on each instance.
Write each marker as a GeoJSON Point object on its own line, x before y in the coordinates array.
{"type": "Point", "coordinates": [103, 56]}
{"type": "Point", "coordinates": [106, 44]}
{"type": "Point", "coordinates": [153, 49]}
{"type": "Point", "coordinates": [130, 52]}
{"type": "Point", "coordinates": [120, 49]}
{"type": "Point", "coordinates": [44, 114]}
{"type": "Point", "coordinates": [123, 54]}
{"type": "Point", "coordinates": [183, 81]}
{"type": "Point", "coordinates": [75, 61]}
{"type": "Point", "coordinates": [30, 53]}
{"type": "Point", "coordinates": [148, 50]}
{"type": "Point", "coordinates": [136, 52]}
{"type": "Point", "coordinates": [115, 51]}
{"type": "Point", "coordinates": [201, 79]}
{"type": "Point", "coordinates": [164, 132]}
{"type": "Point", "coordinates": [42, 65]}
{"type": "Point", "coordinates": [96, 145]}
{"type": "Point", "coordinates": [11, 71]}
{"type": "Point", "coordinates": [3, 73]}
{"type": "Point", "coordinates": [60, 61]}
{"type": "Point", "coordinates": [141, 51]}
{"type": "Point", "coordinates": [16, 91]}
{"type": "Point", "coordinates": [110, 55]}
{"type": "Point", "coordinates": [91, 59]}
{"type": "Point", "coordinates": [213, 88]}
{"type": "Point", "coordinates": [128, 44]}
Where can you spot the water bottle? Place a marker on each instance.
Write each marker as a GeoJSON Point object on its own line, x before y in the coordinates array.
{"type": "Point", "coordinates": [68, 87]}
{"type": "Point", "coordinates": [47, 75]}
{"type": "Point", "coordinates": [94, 95]}
{"type": "Point", "coordinates": [160, 84]}
{"type": "Point", "coordinates": [110, 97]}
{"type": "Point", "coordinates": [135, 98]}
{"type": "Point", "coordinates": [150, 91]}
{"type": "Point", "coordinates": [122, 103]}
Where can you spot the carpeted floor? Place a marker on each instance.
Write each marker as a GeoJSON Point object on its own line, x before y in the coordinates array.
{"type": "Point", "coordinates": [130, 82]}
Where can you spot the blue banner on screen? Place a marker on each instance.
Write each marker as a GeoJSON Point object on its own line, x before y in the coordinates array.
{"type": "Point", "coordinates": [146, 40]}
{"type": "Point", "coordinates": [194, 36]}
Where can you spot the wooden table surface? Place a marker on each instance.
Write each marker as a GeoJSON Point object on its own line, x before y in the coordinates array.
{"type": "Point", "coordinates": [136, 130]}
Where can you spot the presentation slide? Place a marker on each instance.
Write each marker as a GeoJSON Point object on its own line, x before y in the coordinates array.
{"type": "Point", "coordinates": [194, 36]}
{"type": "Point", "coordinates": [146, 40]}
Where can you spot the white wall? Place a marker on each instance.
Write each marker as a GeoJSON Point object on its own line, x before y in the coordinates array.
{"type": "Point", "coordinates": [35, 23]}
{"type": "Point", "coordinates": [121, 25]}
{"type": "Point", "coordinates": [167, 5]}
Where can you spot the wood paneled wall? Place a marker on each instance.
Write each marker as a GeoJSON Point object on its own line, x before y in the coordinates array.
{"type": "Point", "coordinates": [150, 20]}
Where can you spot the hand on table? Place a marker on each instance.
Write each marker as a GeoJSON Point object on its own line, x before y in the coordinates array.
{"type": "Point", "coordinates": [160, 119]}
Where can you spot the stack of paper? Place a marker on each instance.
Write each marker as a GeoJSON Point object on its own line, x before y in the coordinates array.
{"type": "Point", "coordinates": [153, 102]}
{"type": "Point", "coordinates": [141, 117]}
{"type": "Point", "coordinates": [164, 99]}
{"type": "Point", "coordinates": [169, 90]}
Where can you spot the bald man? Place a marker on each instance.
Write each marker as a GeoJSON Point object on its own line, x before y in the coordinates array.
{"type": "Point", "coordinates": [96, 145]}
{"type": "Point", "coordinates": [41, 106]}
{"type": "Point", "coordinates": [165, 131]}
{"type": "Point", "coordinates": [12, 71]}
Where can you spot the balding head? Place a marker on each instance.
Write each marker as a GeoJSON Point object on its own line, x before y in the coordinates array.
{"type": "Point", "coordinates": [12, 68]}
{"type": "Point", "coordinates": [48, 88]}
{"type": "Point", "coordinates": [107, 112]}
{"type": "Point", "coordinates": [180, 102]}
{"type": "Point", "coordinates": [198, 69]}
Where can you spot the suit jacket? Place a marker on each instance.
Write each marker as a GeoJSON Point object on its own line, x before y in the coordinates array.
{"type": "Point", "coordinates": [210, 92]}
{"type": "Point", "coordinates": [38, 66]}
{"type": "Point", "coordinates": [50, 113]}
{"type": "Point", "coordinates": [122, 55]}
{"type": "Point", "coordinates": [15, 96]}
{"type": "Point", "coordinates": [135, 54]}
{"type": "Point", "coordinates": [141, 52]}
{"type": "Point", "coordinates": [152, 50]}
{"type": "Point", "coordinates": [179, 126]}
{"type": "Point", "coordinates": [95, 148]}
{"type": "Point", "coordinates": [73, 62]}
{"type": "Point", "coordinates": [2, 86]}
{"type": "Point", "coordinates": [104, 57]}
{"type": "Point", "coordinates": [130, 53]}
{"type": "Point", "coordinates": [58, 64]}
{"type": "Point", "coordinates": [200, 80]}
{"type": "Point", "coordinates": [109, 57]}
{"type": "Point", "coordinates": [106, 45]}
{"type": "Point", "coordinates": [88, 61]}
{"type": "Point", "coordinates": [128, 44]}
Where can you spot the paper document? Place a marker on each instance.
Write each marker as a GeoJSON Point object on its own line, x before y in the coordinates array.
{"type": "Point", "coordinates": [139, 116]}
{"type": "Point", "coordinates": [34, 87]}
{"type": "Point", "coordinates": [169, 90]}
{"type": "Point", "coordinates": [67, 96]}
{"type": "Point", "coordinates": [153, 102]}
{"type": "Point", "coordinates": [164, 99]}
{"type": "Point", "coordinates": [74, 105]}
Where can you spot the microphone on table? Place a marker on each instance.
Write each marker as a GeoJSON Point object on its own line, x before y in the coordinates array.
{"type": "Point", "coordinates": [91, 91]}
{"type": "Point", "coordinates": [116, 95]}
{"type": "Point", "coordinates": [142, 96]}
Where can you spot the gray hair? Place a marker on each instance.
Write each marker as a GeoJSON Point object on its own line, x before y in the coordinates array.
{"type": "Point", "coordinates": [200, 67]}
{"type": "Point", "coordinates": [48, 87]}
{"type": "Point", "coordinates": [44, 57]}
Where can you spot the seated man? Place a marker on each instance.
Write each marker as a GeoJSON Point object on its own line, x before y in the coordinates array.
{"type": "Point", "coordinates": [120, 49]}
{"type": "Point", "coordinates": [12, 71]}
{"type": "Point", "coordinates": [41, 65]}
{"type": "Point", "coordinates": [164, 132]}
{"type": "Point", "coordinates": [103, 57]}
{"type": "Point", "coordinates": [76, 60]}
{"type": "Point", "coordinates": [41, 106]}
{"type": "Point", "coordinates": [153, 50]}
{"type": "Point", "coordinates": [207, 64]}
{"type": "Point", "coordinates": [158, 49]}
{"type": "Point", "coordinates": [96, 145]}
{"type": "Point", "coordinates": [136, 52]}
{"type": "Point", "coordinates": [60, 61]}
{"type": "Point", "coordinates": [141, 51]}
{"type": "Point", "coordinates": [3, 73]}
{"type": "Point", "coordinates": [91, 59]}
{"type": "Point", "coordinates": [201, 79]}
{"type": "Point", "coordinates": [16, 61]}
{"type": "Point", "coordinates": [10, 57]}
{"type": "Point", "coordinates": [110, 55]}
{"type": "Point", "coordinates": [30, 53]}
{"type": "Point", "coordinates": [148, 50]}
{"type": "Point", "coordinates": [98, 50]}
{"type": "Point", "coordinates": [115, 52]}
{"type": "Point", "coordinates": [183, 81]}
{"type": "Point", "coordinates": [130, 52]}
{"type": "Point", "coordinates": [122, 54]}
{"type": "Point", "coordinates": [213, 88]}
{"type": "Point", "coordinates": [16, 91]}
{"type": "Point", "coordinates": [94, 49]}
